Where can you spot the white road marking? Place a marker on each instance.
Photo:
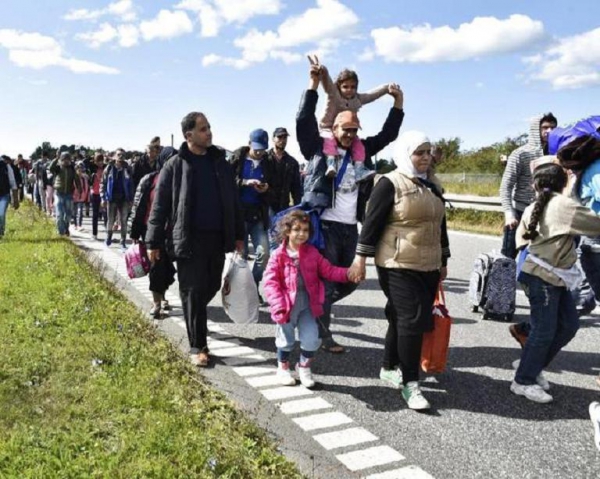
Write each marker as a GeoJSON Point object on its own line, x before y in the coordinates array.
{"type": "Point", "coordinates": [218, 344]}
{"type": "Point", "coordinates": [263, 381]}
{"type": "Point", "coordinates": [321, 421]}
{"type": "Point", "coordinates": [235, 351]}
{"type": "Point", "coordinates": [347, 437]}
{"type": "Point", "coordinates": [253, 370]}
{"type": "Point", "coordinates": [240, 360]}
{"type": "Point", "coordinates": [408, 472]}
{"type": "Point", "coordinates": [373, 456]}
{"type": "Point", "coordinates": [304, 405]}
{"type": "Point", "coordinates": [285, 392]}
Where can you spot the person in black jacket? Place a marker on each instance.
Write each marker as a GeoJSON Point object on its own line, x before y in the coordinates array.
{"type": "Point", "coordinates": [162, 272]}
{"type": "Point", "coordinates": [197, 197]}
{"type": "Point", "coordinates": [147, 164]}
{"type": "Point", "coordinates": [341, 199]}
{"type": "Point", "coordinates": [285, 188]}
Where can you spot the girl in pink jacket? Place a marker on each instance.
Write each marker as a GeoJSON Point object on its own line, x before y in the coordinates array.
{"type": "Point", "coordinates": [295, 291]}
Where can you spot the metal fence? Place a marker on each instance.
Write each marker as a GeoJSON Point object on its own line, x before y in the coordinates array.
{"type": "Point", "coordinates": [468, 178]}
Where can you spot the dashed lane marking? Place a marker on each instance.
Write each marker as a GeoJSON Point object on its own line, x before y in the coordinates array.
{"type": "Point", "coordinates": [408, 472]}
{"type": "Point", "coordinates": [322, 421]}
{"type": "Point", "coordinates": [371, 457]}
{"type": "Point", "coordinates": [344, 438]}
{"type": "Point", "coordinates": [304, 405]}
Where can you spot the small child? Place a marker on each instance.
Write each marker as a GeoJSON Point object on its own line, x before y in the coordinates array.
{"type": "Point", "coordinates": [295, 291]}
{"type": "Point", "coordinates": [548, 273]}
{"type": "Point", "coordinates": [342, 95]}
{"type": "Point", "coordinates": [80, 197]}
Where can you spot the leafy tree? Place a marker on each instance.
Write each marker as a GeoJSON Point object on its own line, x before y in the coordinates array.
{"type": "Point", "coordinates": [46, 147]}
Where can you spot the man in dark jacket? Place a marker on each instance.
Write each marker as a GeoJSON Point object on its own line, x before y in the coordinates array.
{"type": "Point", "coordinates": [342, 199]}
{"type": "Point", "coordinates": [8, 189]}
{"type": "Point", "coordinates": [196, 215]}
{"type": "Point", "coordinates": [254, 182]}
{"type": "Point", "coordinates": [117, 194]}
{"type": "Point", "coordinates": [284, 172]}
{"type": "Point", "coordinates": [147, 164]}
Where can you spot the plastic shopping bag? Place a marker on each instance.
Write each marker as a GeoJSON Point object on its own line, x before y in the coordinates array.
{"type": "Point", "coordinates": [136, 260]}
{"type": "Point", "coordinates": [239, 293]}
{"type": "Point", "coordinates": [434, 353]}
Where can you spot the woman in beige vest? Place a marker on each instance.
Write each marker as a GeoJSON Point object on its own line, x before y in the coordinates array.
{"type": "Point", "coordinates": [405, 231]}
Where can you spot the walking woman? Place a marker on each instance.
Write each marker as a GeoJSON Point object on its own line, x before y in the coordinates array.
{"type": "Point", "coordinates": [405, 231]}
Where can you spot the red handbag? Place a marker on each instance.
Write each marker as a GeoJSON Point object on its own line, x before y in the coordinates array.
{"type": "Point", "coordinates": [434, 352]}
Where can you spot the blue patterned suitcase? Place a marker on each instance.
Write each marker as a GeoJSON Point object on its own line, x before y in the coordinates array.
{"type": "Point", "coordinates": [493, 286]}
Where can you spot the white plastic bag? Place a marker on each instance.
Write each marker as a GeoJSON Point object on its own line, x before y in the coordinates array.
{"type": "Point", "coordinates": [239, 293]}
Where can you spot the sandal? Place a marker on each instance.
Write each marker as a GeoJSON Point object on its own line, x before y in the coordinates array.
{"type": "Point", "coordinates": [332, 347]}
{"type": "Point", "coordinates": [201, 359]}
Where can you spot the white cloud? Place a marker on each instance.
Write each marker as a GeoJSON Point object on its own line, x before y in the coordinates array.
{"type": "Point", "coordinates": [483, 36]}
{"type": "Point", "coordinates": [574, 62]}
{"type": "Point", "coordinates": [167, 24]}
{"type": "Point", "coordinates": [33, 50]}
{"type": "Point", "coordinates": [123, 9]}
{"type": "Point", "coordinates": [127, 35]}
{"type": "Point", "coordinates": [214, 14]}
{"type": "Point", "coordinates": [322, 26]}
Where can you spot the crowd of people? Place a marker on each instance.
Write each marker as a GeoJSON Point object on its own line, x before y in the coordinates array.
{"type": "Point", "coordinates": [551, 210]}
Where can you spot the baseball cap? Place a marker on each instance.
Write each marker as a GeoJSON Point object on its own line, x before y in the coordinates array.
{"type": "Point", "coordinates": [280, 131]}
{"type": "Point", "coordinates": [259, 140]}
{"type": "Point", "coordinates": [347, 119]}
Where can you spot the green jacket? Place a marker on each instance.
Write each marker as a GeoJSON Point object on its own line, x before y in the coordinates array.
{"type": "Point", "coordinates": [65, 178]}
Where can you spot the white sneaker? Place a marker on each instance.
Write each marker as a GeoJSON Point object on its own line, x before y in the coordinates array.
{"type": "Point", "coordinates": [285, 375]}
{"type": "Point", "coordinates": [414, 397]}
{"type": "Point", "coordinates": [595, 417]}
{"type": "Point", "coordinates": [331, 172]}
{"type": "Point", "coordinates": [306, 377]}
{"type": "Point", "coordinates": [533, 392]}
{"type": "Point", "coordinates": [391, 376]}
{"type": "Point", "coordinates": [540, 380]}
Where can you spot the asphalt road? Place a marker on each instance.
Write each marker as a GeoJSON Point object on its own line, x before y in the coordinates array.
{"type": "Point", "coordinates": [477, 427]}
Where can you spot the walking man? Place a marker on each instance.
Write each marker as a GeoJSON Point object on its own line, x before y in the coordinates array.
{"type": "Point", "coordinates": [196, 216]}
{"type": "Point", "coordinates": [65, 180]}
{"type": "Point", "coordinates": [8, 187]}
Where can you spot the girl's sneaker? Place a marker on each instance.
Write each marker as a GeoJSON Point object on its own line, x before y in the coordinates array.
{"type": "Point", "coordinates": [305, 375]}
{"type": "Point", "coordinates": [284, 374]}
{"type": "Point", "coordinates": [391, 376]}
{"type": "Point", "coordinates": [414, 397]}
{"type": "Point", "coordinates": [595, 417]}
{"type": "Point", "coordinates": [533, 392]}
{"type": "Point", "coordinates": [331, 171]}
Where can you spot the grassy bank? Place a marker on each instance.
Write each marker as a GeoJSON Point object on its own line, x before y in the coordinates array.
{"type": "Point", "coordinates": [473, 221]}
{"type": "Point", "coordinates": [477, 189]}
{"type": "Point", "coordinates": [89, 389]}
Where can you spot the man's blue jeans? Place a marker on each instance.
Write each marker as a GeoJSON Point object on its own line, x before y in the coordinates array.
{"type": "Point", "coordinates": [554, 323]}
{"type": "Point", "coordinates": [64, 211]}
{"type": "Point", "coordinates": [340, 248]}
{"type": "Point", "coordinates": [260, 243]}
{"type": "Point", "coordinates": [590, 262]}
{"type": "Point", "coordinates": [4, 200]}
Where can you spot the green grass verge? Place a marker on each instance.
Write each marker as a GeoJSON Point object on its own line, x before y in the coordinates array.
{"type": "Point", "coordinates": [88, 388]}
{"type": "Point", "coordinates": [473, 221]}
{"type": "Point", "coordinates": [477, 189]}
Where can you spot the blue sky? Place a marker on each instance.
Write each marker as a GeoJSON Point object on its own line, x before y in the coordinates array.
{"type": "Point", "coordinates": [115, 74]}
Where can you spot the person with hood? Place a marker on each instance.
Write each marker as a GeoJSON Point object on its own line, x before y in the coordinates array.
{"type": "Point", "coordinates": [197, 197]}
{"type": "Point", "coordinates": [341, 199]}
{"type": "Point", "coordinates": [65, 182]}
{"type": "Point", "coordinates": [8, 187]}
{"type": "Point", "coordinates": [516, 190]}
{"type": "Point", "coordinates": [405, 231]}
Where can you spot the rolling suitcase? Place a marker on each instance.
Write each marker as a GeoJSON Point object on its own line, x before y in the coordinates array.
{"type": "Point", "coordinates": [493, 286]}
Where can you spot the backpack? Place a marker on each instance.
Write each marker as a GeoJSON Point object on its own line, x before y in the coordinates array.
{"type": "Point", "coordinates": [560, 137]}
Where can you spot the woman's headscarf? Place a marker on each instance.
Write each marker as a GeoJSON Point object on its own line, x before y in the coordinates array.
{"type": "Point", "coordinates": [405, 146]}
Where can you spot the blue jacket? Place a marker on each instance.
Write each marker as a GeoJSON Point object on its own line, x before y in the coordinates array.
{"type": "Point", "coordinates": [589, 187]}
{"type": "Point", "coordinates": [108, 179]}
